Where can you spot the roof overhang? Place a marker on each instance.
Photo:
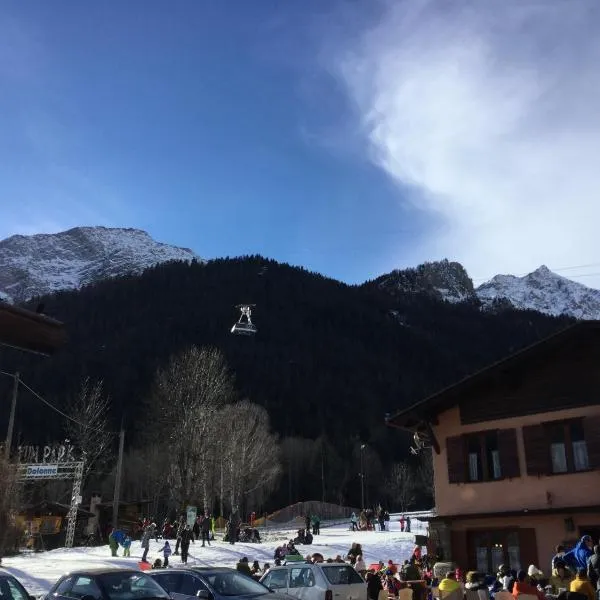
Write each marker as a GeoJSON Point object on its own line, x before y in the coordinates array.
{"type": "Point", "coordinates": [516, 513]}
{"type": "Point", "coordinates": [418, 415]}
{"type": "Point", "coordinates": [30, 331]}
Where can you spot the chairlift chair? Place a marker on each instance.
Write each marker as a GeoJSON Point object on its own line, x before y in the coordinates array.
{"type": "Point", "coordinates": [244, 325]}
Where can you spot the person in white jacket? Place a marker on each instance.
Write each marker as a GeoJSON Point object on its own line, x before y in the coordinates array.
{"type": "Point", "coordinates": [360, 565]}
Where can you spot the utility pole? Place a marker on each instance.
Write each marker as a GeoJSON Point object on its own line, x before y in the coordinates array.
{"type": "Point", "coordinates": [362, 476]}
{"type": "Point", "coordinates": [11, 419]}
{"type": "Point", "coordinates": [117, 492]}
{"type": "Point", "coordinates": [322, 474]}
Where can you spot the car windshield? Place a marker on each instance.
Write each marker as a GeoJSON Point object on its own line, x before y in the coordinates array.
{"type": "Point", "coordinates": [232, 583]}
{"type": "Point", "coordinates": [130, 586]}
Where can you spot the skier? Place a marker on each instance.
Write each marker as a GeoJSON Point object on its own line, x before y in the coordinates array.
{"type": "Point", "coordinates": [408, 524]}
{"type": "Point", "coordinates": [354, 521]}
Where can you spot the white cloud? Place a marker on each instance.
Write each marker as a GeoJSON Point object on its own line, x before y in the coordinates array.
{"type": "Point", "coordinates": [491, 109]}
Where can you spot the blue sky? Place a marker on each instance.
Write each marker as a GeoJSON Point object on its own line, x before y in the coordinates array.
{"type": "Point", "coordinates": [350, 137]}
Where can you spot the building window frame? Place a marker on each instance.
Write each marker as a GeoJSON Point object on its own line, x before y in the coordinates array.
{"type": "Point", "coordinates": [482, 457]}
{"type": "Point", "coordinates": [567, 447]}
{"type": "Point", "coordinates": [494, 547]}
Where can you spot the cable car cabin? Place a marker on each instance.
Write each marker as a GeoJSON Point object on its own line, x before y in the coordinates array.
{"type": "Point", "coordinates": [244, 326]}
{"type": "Point", "coordinates": [244, 329]}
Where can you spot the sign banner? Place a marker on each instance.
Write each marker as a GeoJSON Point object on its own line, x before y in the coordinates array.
{"type": "Point", "coordinates": [55, 453]}
{"type": "Point", "coordinates": [192, 512]}
{"type": "Point", "coordinates": [41, 470]}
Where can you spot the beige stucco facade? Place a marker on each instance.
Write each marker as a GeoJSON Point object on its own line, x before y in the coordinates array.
{"type": "Point", "coordinates": [524, 493]}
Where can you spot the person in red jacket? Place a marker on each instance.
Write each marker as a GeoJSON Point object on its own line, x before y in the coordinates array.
{"type": "Point", "coordinates": [522, 586]}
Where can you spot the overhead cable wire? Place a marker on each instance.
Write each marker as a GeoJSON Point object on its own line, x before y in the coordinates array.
{"type": "Point", "coordinates": [60, 412]}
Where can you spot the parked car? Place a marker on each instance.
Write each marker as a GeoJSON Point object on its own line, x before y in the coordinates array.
{"type": "Point", "coordinates": [206, 583]}
{"type": "Point", "coordinates": [11, 588]}
{"type": "Point", "coordinates": [107, 584]}
{"type": "Point", "coordinates": [322, 581]}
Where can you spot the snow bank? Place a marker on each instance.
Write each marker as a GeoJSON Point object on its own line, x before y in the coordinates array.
{"type": "Point", "coordinates": [39, 571]}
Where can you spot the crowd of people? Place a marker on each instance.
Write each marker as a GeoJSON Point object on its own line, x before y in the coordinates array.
{"type": "Point", "coordinates": [573, 575]}
{"type": "Point", "coordinates": [369, 518]}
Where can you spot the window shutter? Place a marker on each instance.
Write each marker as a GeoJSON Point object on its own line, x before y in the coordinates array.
{"type": "Point", "coordinates": [455, 450]}
{"type": "Point", "coordinates": [509, 455]}
{"type": "Point", "coordinates": [458, 543]}
{"type": "Point", "coordinates": [537, 450]}
{"type": "Point", "coordinates": [591, 431]}
{"type": "Point", "coordinates": [528, 547]}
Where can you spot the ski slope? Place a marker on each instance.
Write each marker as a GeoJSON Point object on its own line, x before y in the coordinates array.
{"type": "Point", "coordinates": [38, 571]}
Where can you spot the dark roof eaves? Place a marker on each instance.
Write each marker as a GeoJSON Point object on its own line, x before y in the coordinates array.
{"type": "Point", "coordinates": [515, 356]}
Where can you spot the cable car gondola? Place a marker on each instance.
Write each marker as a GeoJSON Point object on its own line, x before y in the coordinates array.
{"type": "Point", "coordinates": [244, 325]}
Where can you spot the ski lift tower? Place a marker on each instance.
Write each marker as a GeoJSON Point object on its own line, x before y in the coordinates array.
{"type": "Point", "coordinates": [244, 325]}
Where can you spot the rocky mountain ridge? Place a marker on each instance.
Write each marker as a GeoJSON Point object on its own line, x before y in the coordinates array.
{"type": "Point", "coordinates": [45, 263]}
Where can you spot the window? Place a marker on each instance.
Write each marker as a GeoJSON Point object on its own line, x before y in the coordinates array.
{"type": "Point", "coordinates": [341, 575]}
{"type": "Point", "coordinates": [190, 585]}
{"type": "Point", "coordinates": [16, 591]}
{"type": "Point", "coordinates": [168, 581]}
{"type": "Point", "coordinates": [276, 579]}
{"type": "Point", "coordinates": [63, 587]}
{"type": "Point", "coordinates": [301, 577]}
{"type": "Point", "coordinates": [125, 585]}
{"type": "Point", "coordinates": [232, 583]}
{"type": "Point", "coordinates": [568, 449]}
{"type": "Point", "coordinates": [493, 548]}
{"type": "Point", "coordinates": [84, 586]}
{"type": "Point", "coordinates": [483, 456]}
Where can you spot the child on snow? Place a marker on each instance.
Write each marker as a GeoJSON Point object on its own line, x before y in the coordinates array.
{"type": "Point", "coordinates": [166, 550]}
{"type": "Point", "coordinates": [127, 546]}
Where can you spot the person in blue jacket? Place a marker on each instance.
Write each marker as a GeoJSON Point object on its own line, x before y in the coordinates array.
{"type": "Point", "coordinates": [578, 557]}
{"type": "Point", "coordinates": [166, 550]}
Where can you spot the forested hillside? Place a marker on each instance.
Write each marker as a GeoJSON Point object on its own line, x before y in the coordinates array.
{"type": "Point", "coordinates": [329, 360]}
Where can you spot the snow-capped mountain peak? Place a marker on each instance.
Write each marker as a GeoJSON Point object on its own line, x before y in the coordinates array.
{"type": "Point", "coordinates": [544, 291]}
{"type": "Point", "coordinates": [33, 265]}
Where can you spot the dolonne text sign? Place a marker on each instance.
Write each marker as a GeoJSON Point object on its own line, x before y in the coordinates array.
{"type": "Point", "coordinates": [43, 470]}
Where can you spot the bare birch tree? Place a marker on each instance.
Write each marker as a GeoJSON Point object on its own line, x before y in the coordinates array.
{"type": "Point", "coordinates": [402, 485]}
{"type": "Point", "coordinates": [90, 434]}
{"type": "Point", "coordinates": [250, 451]}
{"type": "Point", "coordinates": [186, 398]}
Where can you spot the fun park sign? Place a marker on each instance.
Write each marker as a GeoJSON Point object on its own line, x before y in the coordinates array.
{"type": "Point", "coordinates": [50, 454]}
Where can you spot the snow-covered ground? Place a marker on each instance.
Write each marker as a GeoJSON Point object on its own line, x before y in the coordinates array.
{"type": "Point", "coordinates": [38, 571]}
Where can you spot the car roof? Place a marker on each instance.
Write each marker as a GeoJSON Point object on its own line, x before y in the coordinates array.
{"type": "Point", "coordinates": [102, 571]}
{"type": "Point", "coordinates": [194, 570]}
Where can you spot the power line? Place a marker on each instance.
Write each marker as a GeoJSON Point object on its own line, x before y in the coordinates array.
{"type": "Point", "coordinates": [60, 412]}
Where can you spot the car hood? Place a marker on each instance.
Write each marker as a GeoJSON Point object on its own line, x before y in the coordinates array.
{"type": "Point", "coordinates": [276, 596]}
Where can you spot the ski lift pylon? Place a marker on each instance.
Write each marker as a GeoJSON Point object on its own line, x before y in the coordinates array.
{"type": "Point", "coordinates": [244, 325]}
